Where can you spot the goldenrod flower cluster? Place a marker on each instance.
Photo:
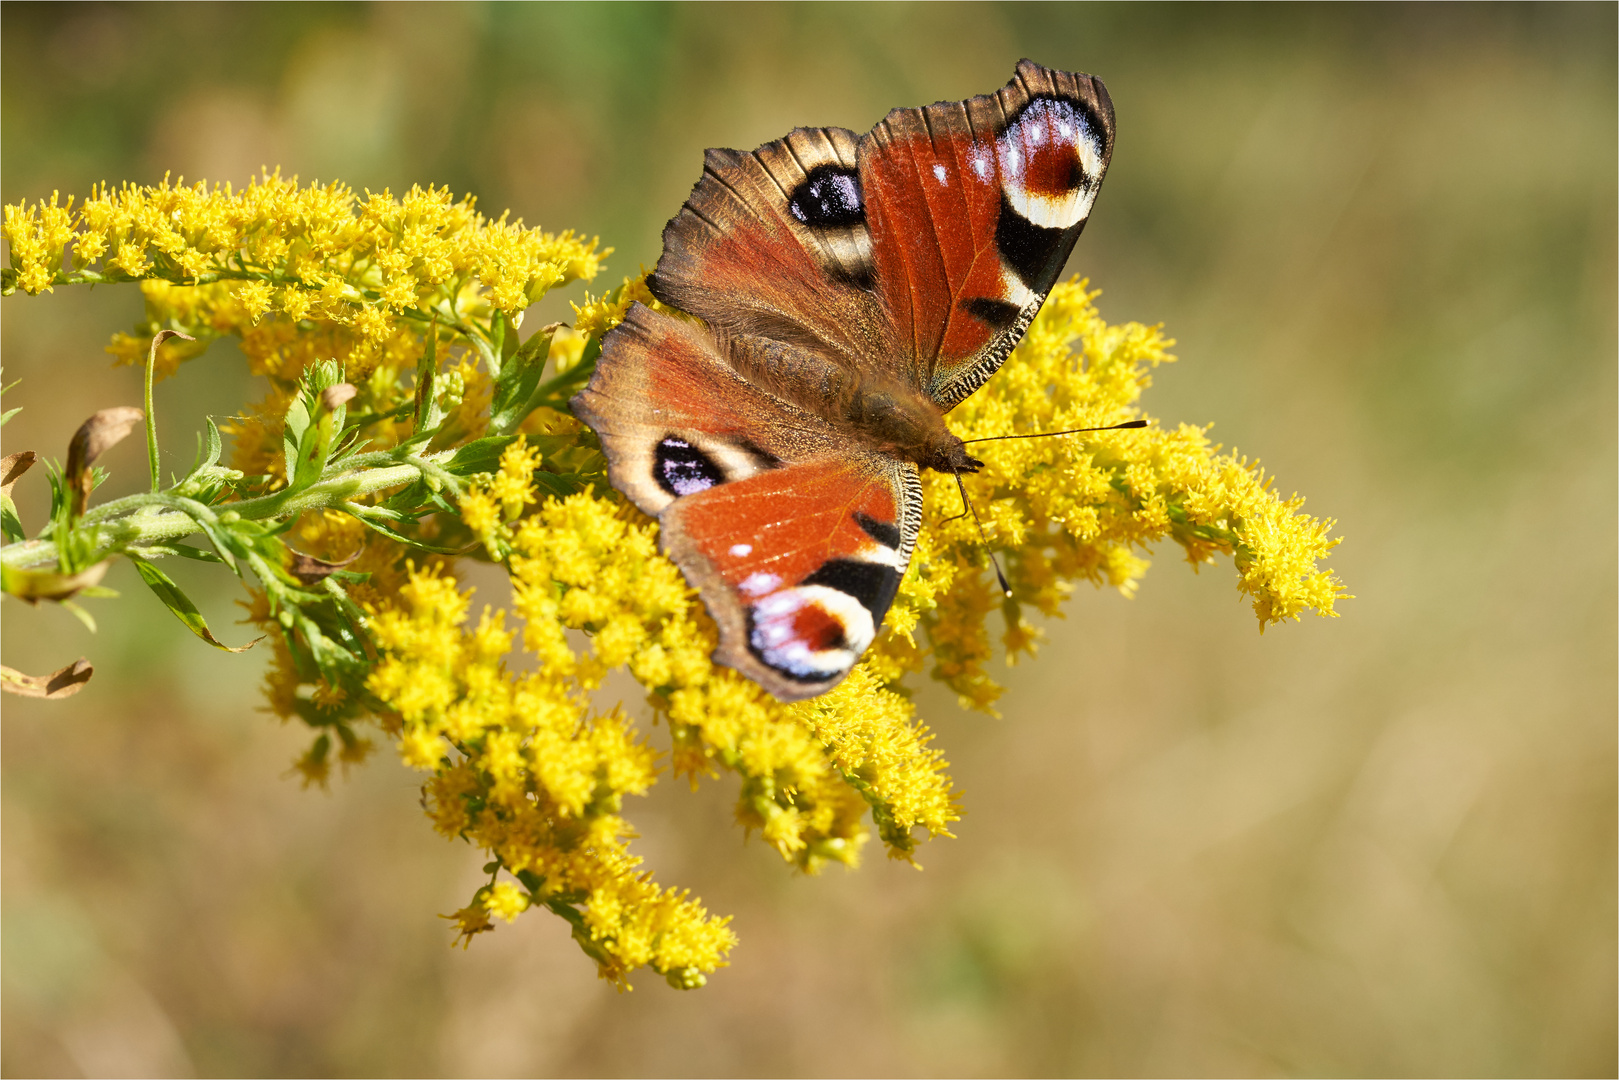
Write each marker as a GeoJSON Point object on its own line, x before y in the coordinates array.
{"type": "Point", "coordinates": [297, 273]}
{"type": "Point", "coordinates": [519, 757]}
{"type": "Point", "coordinates": [1061, 509]}
{"type": "Point", "coordinates": [310, 252]}
{"type": "Point", "coordinates": [1087, 507]}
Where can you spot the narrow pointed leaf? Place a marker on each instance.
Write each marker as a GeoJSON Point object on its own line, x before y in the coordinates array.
{"type": "Point", "coordinates": [179, 603]}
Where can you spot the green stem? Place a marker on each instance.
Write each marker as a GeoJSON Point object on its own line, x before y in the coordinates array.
{"type": "Point", "coordinates": [151, 417]}
{"type": "Point", "coordinates": [140, 520]}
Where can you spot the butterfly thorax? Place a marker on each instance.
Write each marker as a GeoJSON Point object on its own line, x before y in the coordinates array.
{"type": "Point", "coordinates": [873, 407]}
{"type": "Point", "coordinates": [896, 419]}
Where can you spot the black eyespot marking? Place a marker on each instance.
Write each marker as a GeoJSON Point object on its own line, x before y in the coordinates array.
{"type": "Point", "coordinates": [885, 533]}
{"type": "Point", "coordinates": [829, 197]}
{"type": "Point", "coordinates": [873, 584]}
{"type": "Point", "coordinates": [682, 469]}
{"type": "Point", "coordinates": [996, 314]}
{"type": "Point", "coordinates": [1033, 252]}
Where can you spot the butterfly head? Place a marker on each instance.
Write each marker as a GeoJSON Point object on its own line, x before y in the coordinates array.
{"type": "Point", "coordinates": [949, 455]}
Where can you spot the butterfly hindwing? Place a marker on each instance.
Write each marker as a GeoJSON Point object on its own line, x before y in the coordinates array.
{"type": "Point", "coordinates": [675, 418]}
{"type": "Point", "coordinates": [795, 541]}
{"type": "Point", "coordinates": [799, 565]}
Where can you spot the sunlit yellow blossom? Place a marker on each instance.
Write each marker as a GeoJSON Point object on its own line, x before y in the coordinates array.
{"type": "Point", "coordinates": [414, 302]}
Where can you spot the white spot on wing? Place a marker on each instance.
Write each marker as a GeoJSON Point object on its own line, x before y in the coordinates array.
{"type": "Point", "coordinates": [741, 551]}
{"type": "Point", "coordinates": [760, 583]}
{"type": "Point", "coordinates": [938, 174]}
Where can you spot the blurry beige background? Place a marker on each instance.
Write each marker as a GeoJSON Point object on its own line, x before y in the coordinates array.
{"type": "Point", "coordinates": [1383, 844]}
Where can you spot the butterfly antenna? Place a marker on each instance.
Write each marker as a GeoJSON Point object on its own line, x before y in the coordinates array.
{"type": "Point", "coordinates": [1070, 431]}
{"type": "Point", "coordinates": [1006, 589]}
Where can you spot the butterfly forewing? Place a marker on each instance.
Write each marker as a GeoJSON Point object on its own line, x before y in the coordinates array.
{"type": "Point", "coordinates": [975, 206]}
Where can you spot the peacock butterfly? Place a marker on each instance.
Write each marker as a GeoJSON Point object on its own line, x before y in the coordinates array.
{"type": "Point", "coordinates": [852, 290]}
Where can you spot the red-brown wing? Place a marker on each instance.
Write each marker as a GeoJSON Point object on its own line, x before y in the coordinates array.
{"type": "Point", "coordinates": [922, 249]}
{"type": "Point", "coordinates": [973, 209]}
{"type": "Point", "coordinates": [773, 244]}
{"type": "Point", "coordinates": [798, 565]}
{"type": "Point", "coordinates": [795, 540]}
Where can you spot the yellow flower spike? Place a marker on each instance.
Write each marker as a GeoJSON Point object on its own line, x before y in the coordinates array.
{"type": "Point", "coordinates": [517, 760]}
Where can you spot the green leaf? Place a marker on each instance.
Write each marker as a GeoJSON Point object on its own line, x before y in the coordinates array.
{"type": "Point", "coordinates": [315, 445]}
{"type": "Point", "coordinates": [517, 387]}
{"type": "Point", "coordinates": [177, 602]}
{"type": "Point", "coordinates": [478, 456]}
{"type": "Point", "coordinates": [82, 615]}
{"type": "Point", "coordinates": [403, 539]}
{"type": "Point", "coordinates": [428, 414]}
{"type": "Point", "coordinates": [216, 446]}
{"type": "Point", "coordinates": [185, 551]}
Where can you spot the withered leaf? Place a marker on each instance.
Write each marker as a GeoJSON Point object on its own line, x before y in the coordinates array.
{"type": "Point", "coordinates": [96, 436]}
{"type": "Point", "coordinates": [36, 585]}
{"type": "Point", "coordinates": [12, 466]}
{"type": "Point", "coordinates": [59, 684]}
{"type": "Point", "coordinates": [312, 571]}
{"type": "Point", "coordinates": [333, 396]}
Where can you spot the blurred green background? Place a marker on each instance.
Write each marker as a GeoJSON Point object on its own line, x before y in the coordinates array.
{"type": "Point", "coordinates": [1377, 845]}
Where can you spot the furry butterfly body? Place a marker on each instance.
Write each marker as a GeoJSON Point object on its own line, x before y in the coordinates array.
{"type": "Point", "coordinates": [852, 290]}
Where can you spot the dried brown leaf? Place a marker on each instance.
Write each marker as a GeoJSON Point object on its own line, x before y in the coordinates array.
{"type": "Point", "coordinates": [312, 571]}
{"type": "Point", "coordinates": [12, 466]}
{"type": "Point", "coordinates": [333, 396]}
{"type": "Point", "coordinates": [59, 684]}
{"type": "Point", "coordinates": [95, 437]}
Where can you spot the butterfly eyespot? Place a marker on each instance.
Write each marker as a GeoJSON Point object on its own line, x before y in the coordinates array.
{"type": "Point", "coordinates": [682, 469]}
{"type": "Point", "coordinates": [829, 197]}
{"type": "Point", "coordinates": [873, 584]}
{"type": "Point", "coordinates": [809, 633]}
{"type": "Point", "coordinates": [759, 583]}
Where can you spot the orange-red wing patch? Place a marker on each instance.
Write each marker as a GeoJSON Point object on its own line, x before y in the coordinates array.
{"type": "Point", "coordinates": [780, 526]}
